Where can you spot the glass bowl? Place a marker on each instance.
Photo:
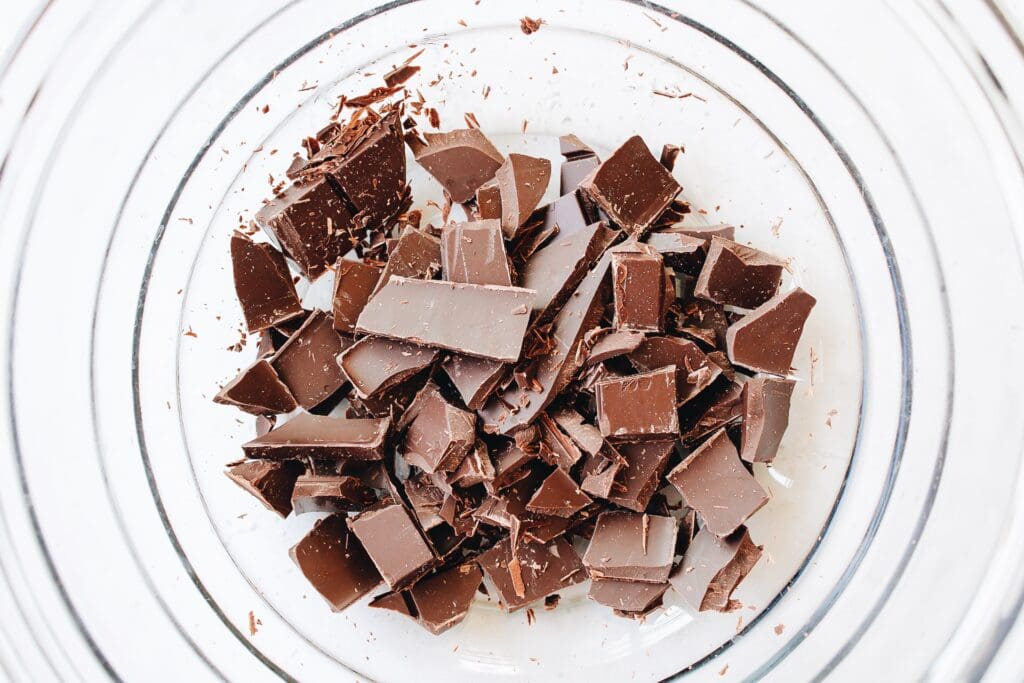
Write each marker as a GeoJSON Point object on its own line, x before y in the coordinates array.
{"type": "Point", "coordinates": [871, 145]}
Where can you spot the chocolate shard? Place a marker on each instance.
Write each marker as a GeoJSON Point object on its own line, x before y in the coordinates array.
{"type": "Point", "coordinates": [738, 275]}
{"type": "Point", "coordinates": [307, 364]}
{"type": "Point", "coordinates": [443, 599]}
{"type": "Point", "coordinates": [599, 477]}
{"type": "Point", "coordinates": [694, 370]}
{"type": "Point", "coordinates": [558, 496]}
{"type": "Point", "coordinates": [586, 436]}
{"type": "Point", "coordinates": [416, 255]}
{"type": "Point", "coordinates": [491, 320]}
{"type": "Point", "coordinates": [612, 344]}
{"type": "Point", "coordinates": [395, 543]}
{"type": "Point", "coordinates": [488, 201]}
{"type": "Point", "coordinates": [354, 282]}
{"type": "Point", "coordinates": [705, 322]}
{"type": "Point", "coordinates": [639, 407]}
{"type": "Point", "coordinates": [475, 468]}
{"type": "Point", "coordinates": [714, 482]}
{"type": "Point", "coordinates": [510, 466]}
{"type": "Point", "coordinates": [461, 160]}
{"type": "Point", "coordinates": [713, 567]}
{"type": "Point", "coordinates": [522, 181]}
{"type": "Point", "coordinates": [440, 436]}
{"type": "Point", "coordinates": [571, 147]}
{"type": "Point", "coordinates": [257, 390]}
{"type": "Point", "coordinates": [311, 222]}
{"type": "Point", "coordinates": [374, 365]}
{"type": "Point", "coordinates": [555, 447]}
{"type": "Point", "coordinates": [334, 563]}
{"type": "Point", "coordinates": [681, 251]}
{"type": "Point", "coordinates": [396, 601]}
{"type": "Point", "coordinates": [638, 286]}
{"type": "Point", "coordinates": [626, 596]}
{"type": "Point", "coordinates": [669, 156]}
{"type": "Point", "coordinates": [632, 547]}
{"type": "Point", "coordinates": [475, 378]}
{"type": "Point", "coordinates": [270, 482]}
{"type": "Point", "coordinates": [632, 187]}
{"type": "Point", "coordinates": [307, 435]}
{"type": "Point", "coordinates": [765, 417]}
{"type": "Point", "coordinates": [637, 481]}
{"type": "Point", "coordinates": [707, 232]}
{"type": "Point", "coordinates": [426, 500]}
{"type": "Point", "coordinates": [474, 253]}
{"type": "Point", "coordinates": [574, 171]}
{"type": "Point", "coordinates": [534, 572]}
{"type": "Point", "coordinates": [330, 493]}
{"type": "Point", "coordinates": [765, 339]}
{"type": "Point", "coordinates": [566, 215]}
{"type": "Point", "coordinates": [263, 284]}
{"type": "Point", "coordinates": [557, 269]}
{"type": "Point", "coordinates": [720, 406]}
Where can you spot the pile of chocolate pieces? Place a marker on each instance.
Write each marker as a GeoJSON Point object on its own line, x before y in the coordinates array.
{"type": "Point", "coordinates": [525, 396]}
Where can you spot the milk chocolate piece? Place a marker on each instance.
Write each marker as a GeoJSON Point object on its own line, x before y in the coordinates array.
{"type": "Point", "coordinates": [257, 390]}
{"type": "Point", "coordinates": [354, 282]}
{"type": "Point", "coordinates": [263, 284]}
{"type": "Point", "coordinates": [705, 321]}
{"type": "Point", "coordinates": [765, 339]}
{"type": "Point", "coordinates": [566, 216]}
{"type": "Point", "coordinates": [632, 187]}
{"type": "Point", "coordinates": [586, 436]}
{"type": "Point", "coordinates": [474, 253]}
{"type": "Point", "coordinates": [510, 466]}
{"type": "Point", "coordinates": [522, 181]}
{"type": "Point", "coordinates": [638, 285]}
{"type": "Point", "coordinates": [639, 407]}
{"type": "Point", "coordinates": [488, 201]}
{"type": "Point", "coordinates": [694, 370]}
{"type": "Point", "coordinates": [268, 481]}
{"type": "Point", "coordinates": [626, 596]}
{"type": "Point", "coordinates": [335, 563]}
{"type": "Point", "coordinates": [395, 543]}
{"type": "Point", "coordinates": [715, 483]}
{"type": "Point", "coordinates": [707, 232]}
{"type": "Point", "coordinates": [612, 344]}
{"type": "Point", "coordinates": [632, 547]}
{"type": "Point", "coordinates": [416, 255]}
{"type": "Point", "coordinates": [475, 378]}
{"type": "Point", "coordinates": [307, 362]}
{"type": "Point", "coordinates": [485, 321]}
{"type": "Point", "coordinates": [669, 156]}
{"type": "Point", "coordinates": [426, 500]}
{"type": "Point", "coordinates": [330, 493]}
{"type": "Point", "coordinates": [681, 251]}
{"type": "Point", "coordinates": [439, 437]}
{"type": "Point", "coordinates": [374, 365]}
{"type": "Point", "coordinates": [765, 417]}
{"type": "Point", "coordinates": [574, 171]}
{"type": "Point", "coordinates": [461, 160]}
{"type": "Point", "coordinates": [713, 567]}
{"type": "Point", "coordinates": [738, 275]}
{"type": "Point", "coordinates": [475, 468]}
{"type": "Point", "coordinates": [559, 496]}
{"type": "Point", "coordinates": [555, 447]}
{"type": "Point", "coordinates": [717, 407]}
{"type": "Point", "coordinates": [599, 477]}
{"type": "Point", "coordinates": [571, 147]}
{"type": "Point", "coordinates": [636, 483]}
{"type": "Point", "coordinates": [307, 435]}
{"type": "Point", "coordinates": [396, 601]}
{"type": "Point", "coordinates": [535, 572]}
{"type": "Point", "coordinates": [557, 269]}
{"type": "Point", "coordinates": [443, 600]}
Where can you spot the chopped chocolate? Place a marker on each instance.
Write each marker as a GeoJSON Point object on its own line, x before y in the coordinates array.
{"type": "Point", "coordinates": [270, 482]}
{"type": "Point", "coordinates": [403, 72]}
{"type": "Point", "coordinates": [639, 407]}
{"type": "Point", "coordinates": [765, 339]}
{"type": "Point", "coordinates": [488, 201]}
{"type": "Point", "coordinates": [681, 251]}
{"type": "Point", "coordinates": [669, 156]}
{"type": "Point", "coordinates": [632, 547]}
{"type": "Point", "coordinates": [475, 378]}
{"type": "Point", "coordinates": [330, 493]}
{"type": "Point", "coordinates": [631, 186]}
{"type": "Point", "coordinates": [485, 321]}
{"type": "Point", "coordinates": [510, 466]}
{"type": "Point", "coordinates": [416, 255]}
{"type": "Point", "coordinates": [599, 474]}
{"type": "Point", "coordinates": [395, 543]}
{"type": "Point", "coordinates": [534, 572]}
{"type": "Point", "coordinates": [474, 253]}
{"type": "Point", "coordinates": [738, 275]}
{"type": "Point", "coordinates": [475, 468]}
{"type": "Point", "coordinates": [575, 170]}
{"type": "Point", "coordinates": [374, 365]}
{"type": "Point", "coordinates": [440, 436]}
{"type": "Point", "coordinates": [586, 436]}
{"type": "Point", "coordinates": [396, 601]}
{"type": "Point", "coordinates": [566, 216]}
{"type": "Point", "coordinates": [705, 322]}
{"type": "Point", "coordinates": [522, 181]}
{"type": "Point", "coordinates": [555, 447]}
{"type": "Point", "coordinates": [765, 417]}
{"type": "Point", "coordinates": [334, 563]}
{"type": "Point", "coordinates": [263, 284]}
{"type": "Point", "coordinates": [307, 362]}
{"type": "Point", "coordinates": [442, 600]}
{"type": "Point", "coordinates": [307, 435]}
{"type": "Point", "coordinates": [714, 482]}
{"type": "Point", "coordinates": [571, 147]}
{"type": "Point", "coordinates": [626, 596]}
{"type": "Point", "coordinates": [636, 483]}
{"type": "Point", "coordinates": [425, 499]}
{"type": "Point", "coordinates": [559, 496]}
{"type": "Point", "coordinates": [612, 344]}
{"type": "Point", "coordinates": [713, 567]}
{"type": "Point", "coordinates": [694, 370]}
{"type": "Point", "coordinates": [707, 232]}
{"type": "Point", "coordinates": [257, 390]}
{"type": "Point", "coordinates": [638, 285]}
{"type": "Point", "coordinates": [461, 160]}
{"type": "Point", "coordinates": [719, 406]}
{"type": "Point", "coordinates": [354, 282]}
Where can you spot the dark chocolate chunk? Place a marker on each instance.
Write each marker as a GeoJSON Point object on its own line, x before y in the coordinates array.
{"type": "Point", "coordinates": [637, 481]}
{"type": "Point", "coordinates": [534, 572]}
{"type": "Point", "coordinates": [416, 255]}
{"type": "Point", "coordinates": [257, 390]}
{"type": "Point", "coordinates": [374, 365]}
{"type": "Point", "coordinates": [713, 567]}
{"type": "Point", "coordinates": [307, 435]}
{"type": "Point", "coordinates": [330, 493]}
{"type": "Point", "coordinates": [632, 187]}
{"type": "Point", "coordinates": [263, 284]}
{"type": "Point", "coordinates": [559, 496]}
{"type": "Point", "coordinates": [705, 322]}
{"type": "Point", "coordinates": [639, 407]}
{"type": "Point", "coordinates": [440, 436]}
{"type": "Point", "coordinates": [354, 282]}
{"type": "Point", "coordinates": [270, 482]}
{"type": "Point", "coordinates": [522, 181]}
{"type": "Point", "coordinates": [694, 370]}
{"type": "Point", "coordinates": [442, 600]}
{"type": "Point", "coordinates": [680, 250]}
{"type": "Point", "coordinates": [307, 362]}
{"type": "Point", "coordinates": [765, 339]}
{"type": "Point", "coordinates": [719, 406]}
{"type": "Point", "coordinates": [485, 321]}
{"type": "Point", "coordinates": [334, 562]}
{"type": "Point", "coordinates": [765, 417]}
{"type": "Point", "coordinates": [626, 596]}
{"type": "Point", "coordinates": [555, 447]}
{"type": "Point", "coordinates": [395, 543]}
{"type": "Point", "coordinates": [638, 286]}
{"type": "Point", "coordinates": [612, 344]}
{"type": "Point", "coordinates": [632, 547]}
{"type": "Point", "coordinates": [474, 253]}
{"type": "Point", "coordinates": [475, 378]}
{"type": "Point", "coordinates": [714, 482]}
{"type": "Point", "coordinates": [738, 275]}
{"type": "Point", "coordinates": [510, 466]}
{"type": "Point", "coordinates": [461, 160]}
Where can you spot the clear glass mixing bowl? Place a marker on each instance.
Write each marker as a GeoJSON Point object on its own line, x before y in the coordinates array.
{"type": "Point", "coordinates": [871, 142]}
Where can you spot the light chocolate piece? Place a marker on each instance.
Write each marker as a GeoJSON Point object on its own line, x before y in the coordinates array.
{"type": "Point", "coordinates": [374, 365]}
{"type": "Point", "coordinates": [522, 181]}
{"type": "Point", "coordinates": [694, 370]}
{"type": "Point", "coordinates": [559, 496]}
{"type": "Point", "coordinates": [680, 250]}
{"type": "Point", "coordinates": [626, 596]}
{"type": "Point", "coordinates": [334, 563]}
{"type": "Point", "coordinates": [313, 436]}
{"type": "Point", "coordinates": [636, 482]}
{"type": "Point", "coordinates": [330, 493]}
{"type": "Point", "coordinates": [395, 543]}
{"type": "Point", "coordinates": [534, 572]}
{"type": "Point", "coordinates": [263, 284]}
{"type": "Point", "coordinates": [354, 282]}
{"type": "Point", "coordinates": [765, 417]}
{"type": "Point", "coordinates": [474, 253]}
{"type": "Point", "coordinates": [639, 407]}
{"type": "Point", "coordinates": [737, 275]}
{"type": "Point", "coordinates": [461, 160]}
{"type": "Point", "coordinates": [638, 287]}
{"type": "Point", "coordinates": [443, 600]}
{"type": "Point", "coordinates": [307, 362]}
{"type": "Point", "coordinates": [488, 201]}
{"type": "Point", "coordinates": [586, 436]}
{"type": "Point", "coordinates": [566, 215]}
{"type": "Point", "coordinates": [257, 390]}
{"type": "Point", "coordinates": [632, 547]}
{"type": "Point", "coordinates": [439, 437]}
{"type": "Point", "coordinates": [713, 567]}
{"type": "Point", "coordinates": [765, 339]}
{"type": "Point", "coordinates": [416, 255]}
{"type": "Point", "coordinates": [612, 344]}
{"type": "Point", "coordinates": [270, 482]}
{"type": "Point", "coordinates": [475, 378]}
